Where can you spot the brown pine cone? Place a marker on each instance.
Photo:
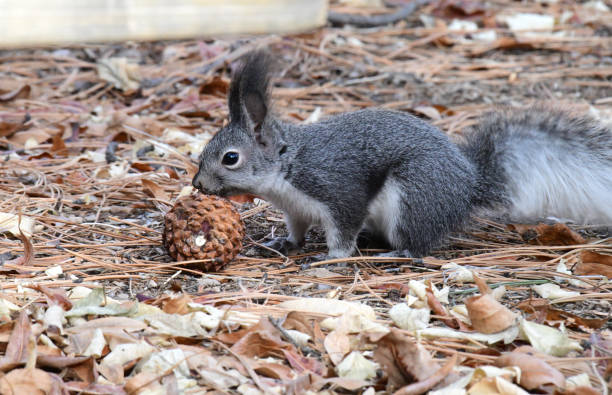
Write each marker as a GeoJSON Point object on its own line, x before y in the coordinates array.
{"type": "Point", "coordinates": [203, 227]}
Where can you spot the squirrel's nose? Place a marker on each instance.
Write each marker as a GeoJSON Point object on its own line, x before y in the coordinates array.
{"type": "Point", "coordinates": [197, 184]}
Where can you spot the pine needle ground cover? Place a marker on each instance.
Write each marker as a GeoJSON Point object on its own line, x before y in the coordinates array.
{"type": "Point", "coordinates": [97, 142]}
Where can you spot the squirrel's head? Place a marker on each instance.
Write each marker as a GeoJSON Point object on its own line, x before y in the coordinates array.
{"type": "Point", "coordinates": [245, 153]}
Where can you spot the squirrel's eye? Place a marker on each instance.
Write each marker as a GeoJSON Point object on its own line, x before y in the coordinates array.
{"type": "Point", "coordinates": [230, 158]}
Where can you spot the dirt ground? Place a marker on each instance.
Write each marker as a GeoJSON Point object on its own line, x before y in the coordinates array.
{"type": "Point", "coordinates": [98, 140]}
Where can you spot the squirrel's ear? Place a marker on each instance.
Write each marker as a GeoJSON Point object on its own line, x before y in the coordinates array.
{"type": "Point", "coordinates": [234, 102]}
{"type": "Point", "coordinates": [256, 109]}
{"type": "Point", "coordinates": [248, 96]}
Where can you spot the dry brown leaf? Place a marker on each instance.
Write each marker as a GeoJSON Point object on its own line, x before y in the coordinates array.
{"type": "Point", "coordinates": [402, 360]}
{"type": "Point", "coordinates": [535, 372]}
{"type": "Point", "coordinates": [155, 190]}
{"type": "Point", "coordinates": [261, 340]}
{"type": "Point", "coordinates": [463, 9]}
{"type": "Point", "coordinates": [486, 313]}
{"type": "Point", "coordinates": [337, 345]}
{"type": "Point", "coordinates": [594, 263]}
{"type": "Point", "coordinates": [304, 364]}
{"type": "Point", "coordinates": [177, 305]}
{"type": "Point", "coordinates": [580, 390]}
{"type": "Point", "coordinates": [217, 86]}
{"type": "Point", "coordinates": [423, 386]}
{"type": "Point", "coordinates": [17, 348]}
{"type": "Point", "coordinates": [38, 135]}
{"type": "Point", "coordinates": [144, 382]}
{"type": "Point", "coordinates": [8, 128]}
{"type": "Point", "coordinates": [540, 311]}
{"type": "Point", "coordinates": [85, 371]}
{"type": "Point", "coordinates": [58, 146]}
{"type": "Point", "coordinates": [437, 308]}
{"type": "Point", "coordinates": [29, 381]}
{"type": "Point", "coordinates": [28, 253]}
{"type": "Point", "coordinates": [273, 370]}
{"type": "Point", "coordinates": [549, 235]}
{"type": "Point", "coordinates": [55, 295]}
{"type": "Point", "coordinates": [22, 92]}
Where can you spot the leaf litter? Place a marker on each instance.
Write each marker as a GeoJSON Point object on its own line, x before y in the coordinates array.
{"type": "Point", "coordinates": [97, 142]}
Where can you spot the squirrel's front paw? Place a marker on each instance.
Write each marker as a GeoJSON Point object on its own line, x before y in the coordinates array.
{"type": "Point", "coordinates": [282, 245]}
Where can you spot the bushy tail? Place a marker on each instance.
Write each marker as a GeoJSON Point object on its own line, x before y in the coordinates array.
{"type": "Point", "coordinates": [542, 162]}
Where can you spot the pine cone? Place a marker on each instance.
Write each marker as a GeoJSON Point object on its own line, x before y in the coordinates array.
{"type": "Point", "coordinates": [203, 227]}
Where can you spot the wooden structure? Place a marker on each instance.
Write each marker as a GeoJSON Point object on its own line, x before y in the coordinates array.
{"type": "Point", "coordinates": [36, 22]}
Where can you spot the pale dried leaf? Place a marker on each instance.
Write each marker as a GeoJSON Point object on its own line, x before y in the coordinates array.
{"type": "Point", "coordinates": [408, 318]}
{"type": "Point", "coordinates": [548, 340]}
{"type": "Point", "coordinates": [355, 366]}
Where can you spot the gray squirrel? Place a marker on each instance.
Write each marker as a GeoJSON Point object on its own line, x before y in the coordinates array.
{"type": "Point", "coordinates": [400, 177]}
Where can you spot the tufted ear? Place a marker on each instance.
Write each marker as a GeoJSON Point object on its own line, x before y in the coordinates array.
{"type": "Point", "coordinates": [248, 96]}
{"type": "Point", "coordinates": [235, 106]}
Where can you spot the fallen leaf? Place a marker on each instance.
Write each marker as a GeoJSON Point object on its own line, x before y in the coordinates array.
{"type": "Point", "coordinates": [327, 306]}
{"type": "Point", "coordinates": [303, 364]}
{"type": "Point", "coordinates": [579, 380]}
{"type": "Point", "coordinates": [438, 309]}
{"type": "Point", "coordinates": [262, 340]}
{"type": "Point", "coordinates": [123, 75]}
{"type": "Point", "coordinates": [548, 340]}
{"type": "Point", "coordinates": [21, 138]}
{"type": "Point", "coordinates": [16, 224]}
{"type": "Point", "coordinates": [534, 371]}
{"type": "Point", "coordinates": [459, 9]}
{"type": "Point", "coordinates": [337, 344]}
{"type": "Point", "coordinates": [529, 21]}
{"type": "Point", "coordinates": [155, 190]}
{"type": "Point", "coordinates": [540, 311]}
{"type": "Point", "coordinates": [496, 386]}
{"type": "Point", "coordinates": [553, 291]}
{"type": "Point", "coordinates": [109, 324]}
{"type": "Point", "coordinates": [217, 86]}
{"type": "Point", "coordinates": [506, 336]}
{"type": "Point", "coordinates": [274, 370]}
{"type": "Point", "coordinates": [355, 322]}
{"type": "Point", "coordinates": [487, 314]}
{"type": "Point", "coordinates": [8, 128]}
{"type": "Point", "coordinates": [362, 3]}
{"type": "Point", "coordinates": [58, 146]}
{"type": "Point", "coordinates": [196, 324]}
{"type": "Point", "coordinates": [580, 390]}
{"type": "Point", "coordinates": [594, 263]}
{"type": "Point", "coordinates": [408, 318]}
{"type": "Point", "coordinates": [549, 235]}
{"type": "Point", "coordinates": [22, 92]}
{"type": "Point", "coordinates": [177, 305]}
{"type": "Point", "coordinates": [403, 360]}
{"type": "Point", "coordinates": [112, 364]}
{"type": "Point", "coordinates": [356, 367]}
{"type": "Point", "coordinates": [457, 273]}
{"type": "Point", "coordinates": [17, 347]}
{"type": "Point", "coordinates": [423, 386]}
{"type": "Point", "coordinates": [29, 381]}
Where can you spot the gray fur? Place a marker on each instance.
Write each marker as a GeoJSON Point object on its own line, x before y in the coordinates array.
{"type": "Point", "coordinates": [392, 172]}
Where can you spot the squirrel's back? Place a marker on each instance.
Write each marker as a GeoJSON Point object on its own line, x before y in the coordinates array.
{"type": "Point", "coordinates": [543, 162]}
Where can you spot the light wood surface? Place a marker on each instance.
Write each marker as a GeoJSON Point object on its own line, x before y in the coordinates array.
{"type": "Point", "coordinates": [35, 22]}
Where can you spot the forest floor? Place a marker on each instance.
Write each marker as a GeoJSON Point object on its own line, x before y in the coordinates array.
{"type": "Point", "coordinates": [98, 140]}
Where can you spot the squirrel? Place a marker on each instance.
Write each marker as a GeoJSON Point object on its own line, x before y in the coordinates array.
{"type": "Point", "coordinates": [399, 177]}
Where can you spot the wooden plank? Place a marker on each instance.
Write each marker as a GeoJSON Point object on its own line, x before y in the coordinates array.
{"type": "Point", "coordinates": [36, 22]}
